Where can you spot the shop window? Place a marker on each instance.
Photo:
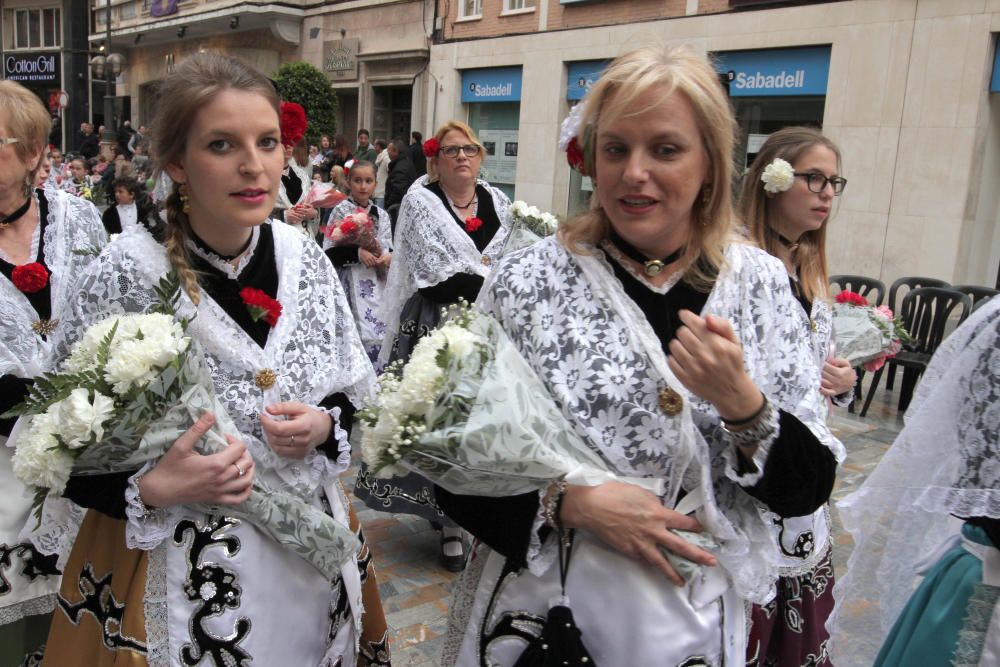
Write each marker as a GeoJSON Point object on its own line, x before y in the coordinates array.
{"type": "Point", "coordinates": [759, 117]}
{"type": "Point", "coordinates": [496, 124]}
{"type": "Point", "coordinates": [517, 5]}
{"type": "Point", "coordinates": [35, 28]}
{"type": "Point", "coordinates": [468, 9]}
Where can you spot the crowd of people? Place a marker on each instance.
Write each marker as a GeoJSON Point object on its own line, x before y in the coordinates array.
{"type": "Point", "coordinates": [683, 328]}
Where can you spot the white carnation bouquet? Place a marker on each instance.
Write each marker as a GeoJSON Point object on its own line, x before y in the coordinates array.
{"type": "Point", "coordinates": [530, 225]}
{"type": "Point", "coordinates": [129, 388]}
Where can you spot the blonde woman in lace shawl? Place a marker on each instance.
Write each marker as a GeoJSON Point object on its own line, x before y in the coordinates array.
{"type": "Point", "coordinates": [674, 352]}
{"type": "Point", "coordinates": [786, 202]}
{"type": "Point", "coordinates": [39, 231]}
{"type": "Point", "coordinates": [931, 508]}
{"type": "Point", "coordinates": [151, 579]}
{"type": "Point", "coordinates": [450, 230]}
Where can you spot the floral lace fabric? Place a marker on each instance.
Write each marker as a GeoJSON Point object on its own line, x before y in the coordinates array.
{"type": "Point", "coordinates": [602, 362]}
{"type": "Point", "coordinates": [431, 248]}
{"type": "Point", "coordinates": [944, 463]}
{"type": "Point", "coordinates": [73, 225]}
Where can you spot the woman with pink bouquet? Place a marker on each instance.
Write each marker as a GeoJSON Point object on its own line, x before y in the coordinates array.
{"type": "Point", "coordinates": [786, 202]}
{"type": "Point", "coordinates": [362, 256]}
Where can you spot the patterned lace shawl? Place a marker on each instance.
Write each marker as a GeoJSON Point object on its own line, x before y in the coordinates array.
{"type": "Point", "coordinates": [946, 461]}
{"type": "Point", "coordinates": [73, 225]}
{"type": "Point", "coordinates": [602, 362]}
{"type": "Point", "coordinates": [430, 248]}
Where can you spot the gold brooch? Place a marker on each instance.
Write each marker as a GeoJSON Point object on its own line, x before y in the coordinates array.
{"type": "Point", "coordinates": [670, 401]}
{"type": "Point", "coordinates": [44, 327]}
{"type": "Point", "coordinates": [266, 378]}
{"type": "Point", "coordinates": [812, 324]}
{"type": "Point", "coordinates": [486, 260]}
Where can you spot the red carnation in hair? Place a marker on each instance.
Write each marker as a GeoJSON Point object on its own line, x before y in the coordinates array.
{"type": "Point", "coordinates": [852, 298]}
{"type": "Point", "coordinates": [472, 224]}
{"type": "Point", "coordinates": [574, 155]}
{"type": "Point", "coordinates": [293, 123]}
{"type": "Point", "coordinates": [29, 278]}
{"type": "Point", "coordinates": [431, 147]}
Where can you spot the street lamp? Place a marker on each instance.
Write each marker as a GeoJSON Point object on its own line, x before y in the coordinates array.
{"type": "Point", "coordinates": [108, 68]}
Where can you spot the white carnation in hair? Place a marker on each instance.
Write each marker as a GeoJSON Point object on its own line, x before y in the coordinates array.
{"type": "Point", "coordinates": [778, 176]}
{"type": "Point", "coordinates": [572, 125]}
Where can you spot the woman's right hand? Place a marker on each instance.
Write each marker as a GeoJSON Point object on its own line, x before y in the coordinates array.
{"type": "Point", "coordinates": [633, 521]}
{"type": "Point", "coordinates": [185, 476]}
{"type": "Point", "coordinates": [367, 258]}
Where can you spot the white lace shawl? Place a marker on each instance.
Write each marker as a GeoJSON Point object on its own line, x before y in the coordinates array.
{"type": "Point", "coordinates": [603, 363]}
{"type": "Point", "coordinates": [946, 461]}
{"type": "Point", "coordinates": [73, 224]}
{"type": "Point", "coordinates": [429, 247]}
{"type": "Point", "coordinates": [283, 202]}
{"type": "Point", "coordinates": [383, 225]}
{"type": "Point", "coordinates": [314, 348]}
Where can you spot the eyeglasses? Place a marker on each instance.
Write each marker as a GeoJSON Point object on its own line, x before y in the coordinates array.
{"type": "Point", "coordinates": [470, 150]}
{"type": "Point", "coordinates": [816, 182]}
{"type": "Point", "coordinates": [4, 141]}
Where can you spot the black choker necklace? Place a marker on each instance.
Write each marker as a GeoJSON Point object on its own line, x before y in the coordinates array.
{"type": "Point", "coordinates": [652, 267]}
{"type": "Point", "coordinates": [16, 215]}
{"type": "Point", "coordinates": [791, 245]}
{"type": "Point", "coordinates": [466, 205]}
{"type": "Point", "coordinates": [228, 258]}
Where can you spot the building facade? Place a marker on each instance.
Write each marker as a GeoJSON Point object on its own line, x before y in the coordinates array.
{"type": "Point", "coordinates": [903, 86]}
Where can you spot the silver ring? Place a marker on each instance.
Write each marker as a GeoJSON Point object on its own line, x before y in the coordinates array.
{"type": "Point", "coordinates": [240, 470]}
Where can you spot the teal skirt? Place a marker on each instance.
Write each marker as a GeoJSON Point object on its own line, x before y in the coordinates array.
{"type": "Point", "coordinates": [927, 630]}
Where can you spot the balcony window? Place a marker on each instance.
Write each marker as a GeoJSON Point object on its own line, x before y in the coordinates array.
{"type": "Point", "coordinates": [468, 9]}
{"type": "Point", "coordinates": [517, 5]}
{"type": "Point", "coordinates": [36, 29]}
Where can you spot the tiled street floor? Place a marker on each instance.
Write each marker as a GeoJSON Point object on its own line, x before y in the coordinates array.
{"type": "Point", "coordinates": [416, 589]}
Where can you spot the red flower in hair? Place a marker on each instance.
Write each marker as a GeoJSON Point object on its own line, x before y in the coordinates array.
{"type": "Point", "coordinates": [431, 147]}
{"type": "Point", "coordinates": [261, 305]}
{"type": "Point", "coordinates": [29, 278]}
{"type": "Point", "coordinates": [472, 224]}
{"type": "Point", "coordinates": [293, 123]}
{"type": "Point", "coordinates": [852, 298]}
{"type": "Point", "coordinates": [574, 155]}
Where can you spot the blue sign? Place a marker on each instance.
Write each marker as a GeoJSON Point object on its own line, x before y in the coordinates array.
{"type": "Point", "coordinates": [776, 72]}
{"type": "Point", "coordinates": [581, 76]}
{"type": "Point", "coordinates": [498, 84]}
{"type": "Point", "coordinates": [995, 79]}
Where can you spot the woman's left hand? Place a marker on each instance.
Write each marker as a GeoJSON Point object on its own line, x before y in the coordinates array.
{"type": "Point", "coordinates": [299, 433]}
{"type": "Point", "coordinates": [707, 358]}
{"type": "Point", "coordinates": [838, 377]}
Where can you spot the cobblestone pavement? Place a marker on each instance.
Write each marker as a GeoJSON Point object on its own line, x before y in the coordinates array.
{"type": "Point", "coordinates": [416, 590]}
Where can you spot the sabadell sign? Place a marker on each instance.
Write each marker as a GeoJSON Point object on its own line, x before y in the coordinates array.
{"type": "Point", "coordinates": [32, 68]}
{"type": "Point", "coordinates": [497, 84]}
{"type": "Point", "coordinates": [776, 72]}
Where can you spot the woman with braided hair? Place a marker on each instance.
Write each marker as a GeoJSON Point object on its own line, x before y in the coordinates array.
{"type": "Point", "coordinates": [161, 581]}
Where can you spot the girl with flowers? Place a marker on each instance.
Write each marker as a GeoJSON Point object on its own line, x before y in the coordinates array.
{"type": "Point", "coordinates": [39, 232]}
{"type": "Point", "coordinates": [668, 345]}
{"type": "Point", "coordinates": [297, 175]}
{"type": "Point", "coordinates": [361, 272]}
{"type": "Point", "coordinates": [450, 230]}
{"type": "Point", "coordinates": [78, 181]}
{"type": "Point", "coordinates": [786, 203]}
{"type": "Point", "coordinates": [161, 581]}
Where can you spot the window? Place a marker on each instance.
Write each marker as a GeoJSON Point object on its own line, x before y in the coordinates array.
{"type": "Point", "coordinates": [37, 28]}
{"type": "Point", "coordinates": [470, 8]}
{"type": "Point", "coordinates": [514, 5]}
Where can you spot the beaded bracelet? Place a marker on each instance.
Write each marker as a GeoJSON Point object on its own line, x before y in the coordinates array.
{"type": "Point", "coordinates": [757, 431]}
{"type": "Point", "coordinates": [553, 504]}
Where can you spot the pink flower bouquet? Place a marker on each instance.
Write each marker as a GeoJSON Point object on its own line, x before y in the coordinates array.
{"type": "Point", "coordinates": [865, 335]}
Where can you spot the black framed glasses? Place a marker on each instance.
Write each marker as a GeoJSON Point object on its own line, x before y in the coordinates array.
{"type": "Point", "coordinates": [470, 150]}
{"type": "Point", "coordinates": [816, 182]}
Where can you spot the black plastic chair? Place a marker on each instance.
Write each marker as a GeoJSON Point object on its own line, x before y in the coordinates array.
{"type": "Point", "coordinates": [925, 313]}
{"type": "Point", "coordinates": [870, 288]}
{"type": "Point", "coordinates": [908, 283]}
{"type": "Point", "coordinates": [977, 293]}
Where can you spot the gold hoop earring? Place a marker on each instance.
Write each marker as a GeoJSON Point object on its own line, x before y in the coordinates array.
{"type": "Point", "coordinates": [185, 199]}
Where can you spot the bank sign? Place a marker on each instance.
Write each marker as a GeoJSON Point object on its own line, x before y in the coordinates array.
{"type": "Point", "coordinates": [498, 84]}
{"type": "Point", "coordinates": [580, 76]}
{"type": "Point", "coordinates": [32, 68]}
{"type": "Point", "coordinates": [776, 72]}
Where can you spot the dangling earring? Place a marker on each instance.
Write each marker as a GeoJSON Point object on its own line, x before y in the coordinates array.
{"type": "Point", "coordinates": [185, 199]}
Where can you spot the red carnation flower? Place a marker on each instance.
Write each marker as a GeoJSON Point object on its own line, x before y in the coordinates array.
{"type": "Point", "coordinates": [472, 224]}
{"type": "Point", "coordinates": [260, 305]}
{"type": "Point", "coordinates": [431, 147]}
{"type": "Point", "coordinates": [574, 155]}
{"type": "Point", "coordinates": [29, 278]}
{"type": "Point", "coordinates": [852, 298]}
{"type": "Point", "coordinates": [293, 123]}
{"type": "Point", "coordinates": [349, 227]}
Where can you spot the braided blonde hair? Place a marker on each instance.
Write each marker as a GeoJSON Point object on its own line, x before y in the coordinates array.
{"type": "Point", "coordinates": [192, 85]}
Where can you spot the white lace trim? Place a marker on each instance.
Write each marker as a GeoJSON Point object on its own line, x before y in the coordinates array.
{"type": "Point", "coordinates": [759, 458]}
{"type": "Point", "coordinates": [156, 609]}
{"type": "Point", "coordinates": [144, 529]}
{"type": "Point", "coordinates": [227, 268]}
{"type": "Point", "coordinates": [15, 612]}
{"type": "Point", "coordinates": [541, 555]}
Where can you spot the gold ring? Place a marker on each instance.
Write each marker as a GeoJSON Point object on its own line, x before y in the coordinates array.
{"type": "Point", "coordinates": [240, 470]}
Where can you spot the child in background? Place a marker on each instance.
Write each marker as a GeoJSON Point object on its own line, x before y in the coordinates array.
{"type": "Point", "coordinates": [361, 272]}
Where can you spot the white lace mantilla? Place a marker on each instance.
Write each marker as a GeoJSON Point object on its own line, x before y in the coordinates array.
{"type": "Point", "coordinates": [430, 247]}
{"type": "Point", "coordinates": [944, 463]}
{"type": "Point", "coordinates": [602, 362]}
{"type": "Point", "coordinates": [73, 224]}
{"type": "Point", "coordinates": [314, 348]}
